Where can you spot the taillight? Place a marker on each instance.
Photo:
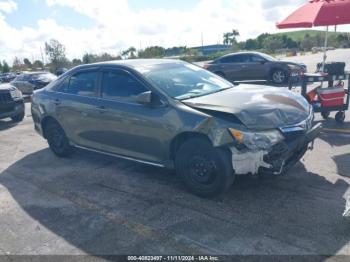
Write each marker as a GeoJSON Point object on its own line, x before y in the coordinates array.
{"type": "Point", "coordinates": [206, 66]}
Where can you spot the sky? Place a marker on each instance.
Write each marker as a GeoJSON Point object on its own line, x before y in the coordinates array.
{"type": "Point", "coordinates": [111, 26]}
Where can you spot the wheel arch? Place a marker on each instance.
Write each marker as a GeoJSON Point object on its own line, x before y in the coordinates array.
{"type": "Point", "coordinates": [45, 121]}
{"type": "Point", "coordinates": [180, 139]}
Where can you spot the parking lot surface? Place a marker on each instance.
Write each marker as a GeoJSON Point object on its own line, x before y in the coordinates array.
{"type": "Point", "coordinates": [95, 204]}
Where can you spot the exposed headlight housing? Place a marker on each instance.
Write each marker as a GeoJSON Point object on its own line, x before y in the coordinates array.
{"type": "Point", "coordinates": [16, 94]}
{"type": "Point", "coordinates": [257, 140]}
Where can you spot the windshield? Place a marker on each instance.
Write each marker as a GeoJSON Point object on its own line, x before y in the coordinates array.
{"type": "Point", "coordinates": [268, 57]}
{"type": "Point", "coordinates": [183, 81]}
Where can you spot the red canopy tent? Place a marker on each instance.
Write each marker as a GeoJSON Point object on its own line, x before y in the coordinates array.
{"type": "Point", "coordinates": [319, 13]}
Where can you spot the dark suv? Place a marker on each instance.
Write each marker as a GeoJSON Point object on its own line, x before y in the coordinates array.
{"type": "Point", "coordinates": [173, 114]}
{"type": "Point", "coordinates": [254, 66]}
{"type": "Point", "coordinates": [11, 103]}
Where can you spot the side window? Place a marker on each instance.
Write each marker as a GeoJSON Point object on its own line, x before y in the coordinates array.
{"type": "Point", "coordinates": [83, 84]}
{"type": "Point", "coordinates": [231, 59]}
{"type": "Point", "coordinates": [119, 85]}
{"type": "Point", "coordinates": [256, 59]}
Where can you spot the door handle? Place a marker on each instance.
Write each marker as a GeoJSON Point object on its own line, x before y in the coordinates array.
{"type": "Point", "coordinates": [57, 102]}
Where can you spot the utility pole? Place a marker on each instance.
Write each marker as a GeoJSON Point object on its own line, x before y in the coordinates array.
{"type": "Point", "coordinates": [42, 55]}
{"type": "Point", "coordinates": [202, 38]}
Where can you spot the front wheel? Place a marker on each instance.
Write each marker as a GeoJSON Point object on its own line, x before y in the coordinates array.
{"type": "Point", "coordinates": [325, 115]}
{"type": "Point", "coordinates": [18, 118]}
{"type": "Point", "coordinates": [279, 76]}
{"type": "Point", "coordinates": [57, 139]}
{"type": "Point", "coordinates": [206, 171]}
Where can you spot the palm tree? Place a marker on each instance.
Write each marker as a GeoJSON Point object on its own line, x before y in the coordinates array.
{"type": "Point", "coordinates": [230, 37]}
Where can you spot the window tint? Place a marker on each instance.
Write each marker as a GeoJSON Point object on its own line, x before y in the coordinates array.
{"type": "Point", "coordinates": [256, 59]}
{"type": "Point", "coordinates": [120, 85]}
{"type": "Point", "coordinates": [232, 59]}
{"type": "Point", "coordinates": [83, 84]}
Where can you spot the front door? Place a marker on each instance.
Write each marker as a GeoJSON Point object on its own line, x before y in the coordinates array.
{"type": "Point", "coordinates": [129, 128]}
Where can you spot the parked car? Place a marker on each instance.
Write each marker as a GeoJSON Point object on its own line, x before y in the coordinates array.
{"type": "Point", "coordinates": [27, 82]}
{"type": "Point", "coordinates": [61, 71]}
{"type": "Point", "coordinates": [7, 77]}
{"type": "Point", "coordinates": [254, 66]}
{"type": "Point", "coordinates": [173, 114]}
{"type": "Point", "coordinates": [11, 103]}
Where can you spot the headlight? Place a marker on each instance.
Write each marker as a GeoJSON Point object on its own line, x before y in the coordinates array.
{"type": "Point", "coordinates": [15, 94]}
{"type": "Point", "coordinates": [257, 140]}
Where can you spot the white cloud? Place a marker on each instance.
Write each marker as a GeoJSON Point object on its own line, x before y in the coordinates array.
{"type": "Point", "coordinates": [8, 6]}
{"type": "Point", "coordinates": [116, 26]}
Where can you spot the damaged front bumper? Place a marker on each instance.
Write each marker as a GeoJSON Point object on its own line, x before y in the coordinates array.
{"type": "Point", "coordinates": [275, 161]}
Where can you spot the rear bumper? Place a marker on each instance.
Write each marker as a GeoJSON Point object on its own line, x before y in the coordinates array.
{"type": "Point", "coordinates": [11, 109]}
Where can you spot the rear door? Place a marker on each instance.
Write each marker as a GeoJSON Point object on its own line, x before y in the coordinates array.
{"type": "Point", "coordinates": [76, 107]}
{"type": "Point", "coordinates": [232, 66]}
{"type": "Point", "coordinates": [255, 67]}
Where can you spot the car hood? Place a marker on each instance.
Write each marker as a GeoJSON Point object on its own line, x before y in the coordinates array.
{"type": "Point", "coordinates": [301, 65]}
{"type": "Point", "coordinates": [257, 107]}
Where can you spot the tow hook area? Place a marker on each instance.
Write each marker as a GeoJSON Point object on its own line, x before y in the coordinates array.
{"type": "Point", "coordinates": [248, 162]}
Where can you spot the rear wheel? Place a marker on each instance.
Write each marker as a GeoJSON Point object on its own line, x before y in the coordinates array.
{"type": "Point", "coordinates": [206, 171]}
{"type": "Point", "coordinates": [57, 139]}
{"type": "Point", "coordinates": [340, 117]}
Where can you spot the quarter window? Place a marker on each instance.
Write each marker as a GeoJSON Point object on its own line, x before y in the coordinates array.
{"type": "Point", "coordinates": [119, 85]}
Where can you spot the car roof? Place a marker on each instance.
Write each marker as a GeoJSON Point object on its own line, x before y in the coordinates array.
{"type": "Point", "coordinates": [34, 73]}
{"type": "Point", "coordinates": [243, 53]}
{"type": "Point", "coordinates": [134, 63]}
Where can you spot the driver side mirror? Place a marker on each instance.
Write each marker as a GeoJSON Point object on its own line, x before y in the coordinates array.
{"type": "Point", "coordinates": [144, 98]}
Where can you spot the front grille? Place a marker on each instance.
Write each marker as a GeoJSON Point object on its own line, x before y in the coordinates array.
{"type": "Point", "coordinates": [5, 97]}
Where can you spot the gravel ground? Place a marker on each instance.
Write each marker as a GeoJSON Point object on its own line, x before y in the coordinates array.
{"type": "Point", "coordinates": [99, 205]}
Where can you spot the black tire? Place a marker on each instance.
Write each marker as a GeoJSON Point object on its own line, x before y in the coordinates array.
{"type": "Point", "coordinates": [279, 76]}
{"type": "Point", "coordinates": [325, 115]}
{"type": "Point", "coordinates": [18, 118]}
{"type": "Point", "coordinates": [206, 171]}
{"type": "Point", "coordinates": [57, 139]}
{"type": "Point", "coordinates": [340, 117]}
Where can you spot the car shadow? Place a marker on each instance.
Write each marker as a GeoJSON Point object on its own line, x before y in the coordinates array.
{"type": "Point", "coordinates": [343, 164]}
{"type": "Point", "coordinates": [105, 206]}
{"type": "Point", "coordinates": [7, 124]}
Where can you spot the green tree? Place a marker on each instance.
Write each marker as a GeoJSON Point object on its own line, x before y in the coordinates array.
{"type": "Point", "coordinates": [152, 52]}
{"type": "Point", "coordinates": [57, 54]}
{"type": "Point", "coordinates": [273, 43]}
{"type": "Point", "coordinates": [17, 64]}
{"type": "Point", "coordinates": [38, 65]}
{"type": "Point", "coordinates": [27, 63]}
{"type": "Point", "coordinates": [5, 67]}
{"type": "Point", "coordinates": [230, 38]}
{"type": "Point", "coordinates": [130, 53]}
{"type": "Point", "coordinates": [89, 58]}
{"type": "Point", "coordinates": [0, 66]}
{"type": "Point", "coordinates": [76, 62]}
